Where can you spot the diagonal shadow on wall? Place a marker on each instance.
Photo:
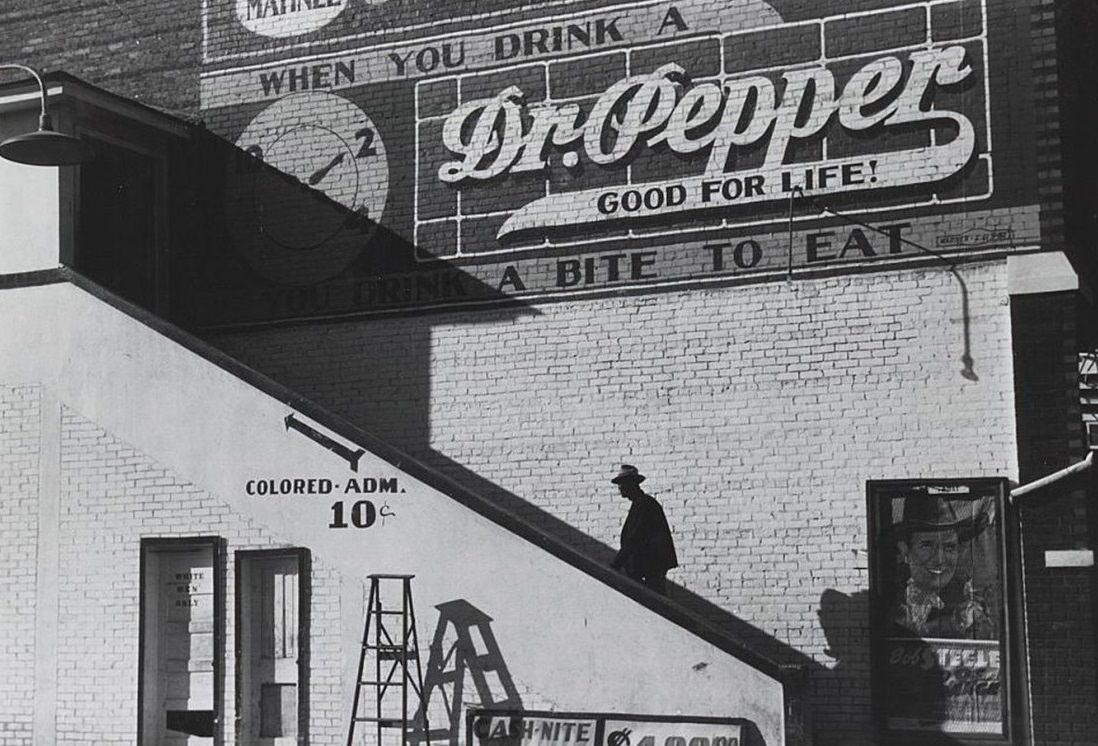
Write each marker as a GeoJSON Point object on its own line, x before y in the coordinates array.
{"type": "Point", "coordinates": [256, 246]}
{"type": "Point", "coordinates": [340, 359]}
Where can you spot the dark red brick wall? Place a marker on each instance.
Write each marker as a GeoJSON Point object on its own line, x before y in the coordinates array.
{"type": "Point", "coordinates": [1059, 601]}
{"type": "Point", "coordinates": [148, 51]}
{"type": "Point", "coordinates": [1076, 146]}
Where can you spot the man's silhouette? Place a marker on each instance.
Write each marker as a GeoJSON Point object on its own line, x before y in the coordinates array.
{"type": "Point", "coordinates": [647, 549]}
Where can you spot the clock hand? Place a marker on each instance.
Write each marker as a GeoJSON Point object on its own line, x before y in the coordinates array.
{"type": "Point", "coordinates": [321, 173]}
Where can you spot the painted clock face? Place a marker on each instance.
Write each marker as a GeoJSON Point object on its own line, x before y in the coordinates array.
{"type": "Point", "coordinates": [314, 181]}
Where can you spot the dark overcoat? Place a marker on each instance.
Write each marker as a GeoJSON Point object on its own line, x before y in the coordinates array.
{"type": "Point", "coordinates": [647, 548]}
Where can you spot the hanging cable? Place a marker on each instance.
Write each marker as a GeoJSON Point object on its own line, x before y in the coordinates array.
{"type": "Point", "coordinates": [967, 370]}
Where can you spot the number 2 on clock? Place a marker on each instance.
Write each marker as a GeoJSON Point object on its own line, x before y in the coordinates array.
{"type": "Point", "coordinates": [366, 134]}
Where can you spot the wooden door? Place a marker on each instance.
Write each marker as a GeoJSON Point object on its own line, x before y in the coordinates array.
{"type": "Point", "coordinates": [178, 707]}
{"type": "Point", "coordinates": [269, 604]}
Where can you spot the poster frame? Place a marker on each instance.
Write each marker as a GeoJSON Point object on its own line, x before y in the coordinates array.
{"type": "Point", "coordinates": [1014, 673]}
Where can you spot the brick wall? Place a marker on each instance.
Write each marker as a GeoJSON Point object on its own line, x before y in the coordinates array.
{"type": "Point", "coordinates": [112, 497]}
{"type": "Point", "coordinates": [1060, 601]}
{"type": "Point", "coordinates": [1042, 20]}
{"type": "Point", "coordinates": [1076, 81]}
{"type": "Point", "coordinates": [19, 440]}
{"type": "Point", "coordinates": [757, 412]}
{"type": "Point", "coordinates": [146, 51]}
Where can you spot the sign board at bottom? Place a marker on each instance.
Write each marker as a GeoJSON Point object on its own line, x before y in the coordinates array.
{"type": "Point", "coordinates": [534, 728]}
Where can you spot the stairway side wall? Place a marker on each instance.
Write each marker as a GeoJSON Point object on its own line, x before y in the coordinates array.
{"type": "Point", "coordinates": [157, 442]}
{"type": "Point", "coordinates": [758, 413]}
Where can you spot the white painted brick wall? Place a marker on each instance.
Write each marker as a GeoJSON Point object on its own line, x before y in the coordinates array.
{"type": "Point", "coordinates": [112, 496]}
{"type": "Point", "coordinates": [20, 413]}
{"type": "Point", "coordinates": [758, 412]}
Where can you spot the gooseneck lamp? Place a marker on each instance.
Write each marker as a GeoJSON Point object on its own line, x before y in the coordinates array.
{"type": "Point", "coordinates": [46, 147]}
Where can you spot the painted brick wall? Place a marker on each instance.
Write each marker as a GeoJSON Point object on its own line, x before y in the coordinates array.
{"type": "Point", "coordinates": [712, 392]}
{"type": "Point", "coordinates": [112, 496]}
{"type": "Point", "coordinates": [421, 205]}
{"type": "Point", "coordinates": [757, 412]}
{"type": "Point", "coordinates": [19, 441]}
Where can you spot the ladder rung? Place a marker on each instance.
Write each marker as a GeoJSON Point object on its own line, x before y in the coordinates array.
{"type": "Point", "coordinates": [383, 722]}
{"type": "Point", "coordinates": [392, 652]}
{"type": "Point", "coordinates": [387, 612]}
{"type": "Point", "coordinates": [395, 655]}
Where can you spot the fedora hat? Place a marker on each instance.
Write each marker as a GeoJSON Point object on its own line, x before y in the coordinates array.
{"type": "Point", "coordinates": [965, 516]}
{"type": "Point", "coordinates": [628, 473]}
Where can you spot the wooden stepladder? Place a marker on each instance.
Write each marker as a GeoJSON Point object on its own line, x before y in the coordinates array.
{"type": "Point", "coordinates": [392, 650]}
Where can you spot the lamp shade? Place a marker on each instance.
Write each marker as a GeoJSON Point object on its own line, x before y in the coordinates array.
{"type": "Point", "coordinates": [45, 148]}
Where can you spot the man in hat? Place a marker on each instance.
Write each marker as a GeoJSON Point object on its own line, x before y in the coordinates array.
{"type": "Point", "coordinates": [647, 549]}
{"type": "Point", "coordinates": [937, 600]}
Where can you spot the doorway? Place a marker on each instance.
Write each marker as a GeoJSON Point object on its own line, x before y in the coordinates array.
{"type": "Point", "coordinates": [181, 606]}
{"type": "Point", "coordinates": [272, 594]}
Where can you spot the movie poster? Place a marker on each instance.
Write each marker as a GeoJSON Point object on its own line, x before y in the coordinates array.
{"type": "Point", "coordinates": [941, 634]}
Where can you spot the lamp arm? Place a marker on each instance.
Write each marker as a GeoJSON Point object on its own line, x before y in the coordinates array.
{"type": "Point", "coordinates": [966, 357]}
{"type": "Point", "coordinates": [44, 117]}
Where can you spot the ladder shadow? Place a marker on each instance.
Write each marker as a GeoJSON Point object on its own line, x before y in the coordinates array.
{"type": "Point", "coordinates": [463, 648]}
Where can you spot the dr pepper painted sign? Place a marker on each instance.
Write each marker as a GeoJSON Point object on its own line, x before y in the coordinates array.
{"type": "Point", "coordinates": [648, 143]}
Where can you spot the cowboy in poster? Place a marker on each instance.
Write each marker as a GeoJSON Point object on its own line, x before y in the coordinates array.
{"type": "Point", "coordinates": [943, 658]}
{"type": "Point", "coordinates": [939, 597]}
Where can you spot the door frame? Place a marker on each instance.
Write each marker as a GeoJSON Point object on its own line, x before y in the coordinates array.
{"type": "Point", "coordinates": [304, 602]}
{"type": "Point", "coordinates": [150, 545]}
